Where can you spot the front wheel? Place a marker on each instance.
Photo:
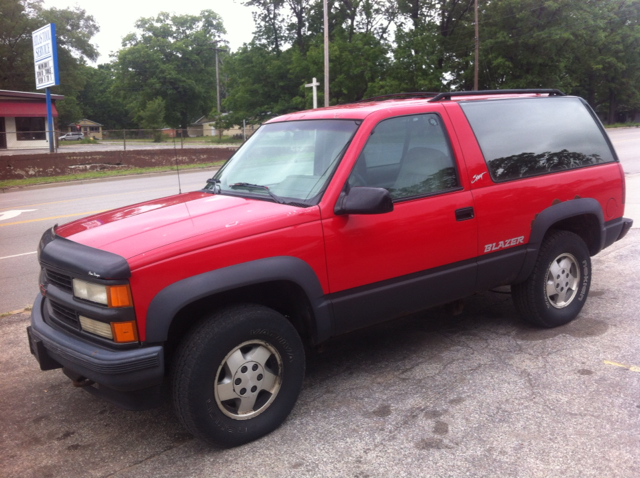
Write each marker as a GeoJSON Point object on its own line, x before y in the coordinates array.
{"type": "Point", "coordinates": [557, 288]}
{"type": "Point", "coordinates": [238, 375]}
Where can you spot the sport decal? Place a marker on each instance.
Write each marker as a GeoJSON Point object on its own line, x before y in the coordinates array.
{"type": "Point", "coordinates": [477, 177]}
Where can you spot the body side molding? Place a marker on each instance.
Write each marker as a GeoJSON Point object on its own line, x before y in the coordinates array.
{"type": "Point", "coordinates": [166, 304]}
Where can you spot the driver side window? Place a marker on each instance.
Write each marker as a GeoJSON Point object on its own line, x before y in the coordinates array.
{"type": "Point", "coordinates": [409, 156]}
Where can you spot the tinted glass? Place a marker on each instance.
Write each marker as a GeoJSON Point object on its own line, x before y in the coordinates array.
{"type": "Point", "coordinates": [30, 129]}
{"type": "Point", "coordinates": [409, 156]}
{"type": "Point", "coordinates": [532, 136]}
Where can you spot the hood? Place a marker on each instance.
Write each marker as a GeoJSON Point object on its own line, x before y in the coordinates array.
{"type": "Point", "coordinates": [212, 219]}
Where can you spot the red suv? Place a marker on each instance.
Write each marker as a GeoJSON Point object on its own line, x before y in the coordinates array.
{"type": "Point", "coordinates": [327, 221]}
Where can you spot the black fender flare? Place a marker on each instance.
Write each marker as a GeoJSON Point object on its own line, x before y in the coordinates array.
{"type": "Point", "coordinates": [553, 214]}
{"type": "Point", "coordinates": [170, 300]}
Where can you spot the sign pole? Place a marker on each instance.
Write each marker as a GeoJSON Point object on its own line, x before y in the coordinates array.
{"type": "Point", "coordinates": [50, 120]}
{"type": "Point", "coordinates": [45, 58]}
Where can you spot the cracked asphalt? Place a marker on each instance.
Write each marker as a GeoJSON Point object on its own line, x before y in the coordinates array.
{"type": "Point", "coordinates": [476, 394]}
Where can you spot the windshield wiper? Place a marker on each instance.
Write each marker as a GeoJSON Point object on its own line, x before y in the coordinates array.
{"type": "Point", "coordinates": [277, 199]}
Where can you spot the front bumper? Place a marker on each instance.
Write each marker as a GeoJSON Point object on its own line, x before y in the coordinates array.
{"type": "Point", "coordinates": [129, 378]}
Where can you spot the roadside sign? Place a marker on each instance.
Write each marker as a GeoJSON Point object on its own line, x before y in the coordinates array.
{"type": "Point", "coordinates": [45, 56]}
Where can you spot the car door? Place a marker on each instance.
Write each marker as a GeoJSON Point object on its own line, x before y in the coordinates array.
{"type": "Point", "coordinates": [420, 254]}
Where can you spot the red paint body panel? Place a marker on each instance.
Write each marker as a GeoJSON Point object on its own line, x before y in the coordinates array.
{"type": "Point", "coordinates": [170, 239]}
{"type": "Point", "coordinates": [507, 210]}
{"type": "Point", "coordinates": [366, 249]}
{"type": "Point", "coordinates": [173, 238]}
{"type": "Point", "coordinates": [174, 263]}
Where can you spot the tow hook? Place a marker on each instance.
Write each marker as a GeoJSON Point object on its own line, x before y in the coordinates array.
{"type": "Point", "coordinates": [82, 382]}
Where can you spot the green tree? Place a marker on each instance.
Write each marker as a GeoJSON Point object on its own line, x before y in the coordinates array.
{"type": "Point", "coordinates": [17, 21]}
{"type": "Point", "coordinates": [171, 57]}
{"type": "Point", "coordinates": [74, 30]}
{"type": "Point", "coordinates": [100, 100]}
{"type": "Point", "coordinates": [152, 117]}
{"type": "Point", "coordinates": [259, 82]}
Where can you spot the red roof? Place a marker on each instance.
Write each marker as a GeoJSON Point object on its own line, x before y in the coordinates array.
{"type": "Point", "coordinates": [24, 108]}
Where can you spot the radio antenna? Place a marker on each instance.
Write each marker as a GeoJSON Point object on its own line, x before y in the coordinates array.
{"type": "Point", "coordinates": [175, 151]}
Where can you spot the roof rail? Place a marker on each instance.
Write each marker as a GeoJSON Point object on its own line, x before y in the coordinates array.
{"type": "Point", "coordinates": [448, 96]}
{"type": "Point", "coordinates": [417, 94]}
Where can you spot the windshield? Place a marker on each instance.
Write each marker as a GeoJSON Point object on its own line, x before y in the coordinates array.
{"type": "Point", "coordinates": [289, 162]}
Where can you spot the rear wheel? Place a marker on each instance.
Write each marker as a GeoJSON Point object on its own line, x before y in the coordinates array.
{"type": "Point", "coordinates": [238, 375]}
{"type": "Point", "coordinates": [557, 288]}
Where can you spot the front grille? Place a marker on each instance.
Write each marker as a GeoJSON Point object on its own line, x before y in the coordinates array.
{"type": "Point", "coordinates": [61, 281]}
{"type": "Point", "coordinates": [64, 315]}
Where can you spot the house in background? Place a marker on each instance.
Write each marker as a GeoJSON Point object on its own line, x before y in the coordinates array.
{"type": "Point", "coordinates": [205, 127]}
{"type": "Point", "coordinates": [201, 127]}
{"type": "Point", "coordinates": [91, 129]}
{"type": "Point", "coordinates": [23, 119]}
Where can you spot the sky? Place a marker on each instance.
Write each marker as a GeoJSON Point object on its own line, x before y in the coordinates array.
{"type": "Point", "coordinates": [116, 18]}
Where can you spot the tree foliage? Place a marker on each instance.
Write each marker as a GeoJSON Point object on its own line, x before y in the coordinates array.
{"type": "Point", "coordinates": [171, 57]}
{"type": "Point", "coordinates": [74, 30]}
{"type": "Point", "coordinates": [585, 47]}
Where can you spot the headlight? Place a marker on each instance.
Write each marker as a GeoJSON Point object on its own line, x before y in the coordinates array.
{"type": "Point", "coordinates": [109, 295]}
{"type": "Point", "coordinates": [88, 291]}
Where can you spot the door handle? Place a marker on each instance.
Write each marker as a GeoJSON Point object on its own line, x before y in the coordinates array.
{"type": "Point", "coordinates": [464, 214]}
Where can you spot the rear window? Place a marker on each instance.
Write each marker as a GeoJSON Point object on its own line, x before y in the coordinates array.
{"type": "Point", "coordinates": [532, 136]}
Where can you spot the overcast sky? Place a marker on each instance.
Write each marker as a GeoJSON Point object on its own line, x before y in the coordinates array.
{"type": "Point", "coordinates": [116, 18]}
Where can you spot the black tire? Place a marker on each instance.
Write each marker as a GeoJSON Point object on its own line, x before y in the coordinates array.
{"type": "Point", "coordinates": [237, 375]}
{"type": "Point", "coordinates": [544, 302]}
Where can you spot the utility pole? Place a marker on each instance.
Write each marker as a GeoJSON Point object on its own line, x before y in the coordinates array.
{"type": "Point", "coordinates": [218, 80]}
{"type": "Point", "coordinates": [326, 54]}
{"type": "Point", "coordinates": [477, 41]}
{"type": "Point", "coordinates": [216, 49]}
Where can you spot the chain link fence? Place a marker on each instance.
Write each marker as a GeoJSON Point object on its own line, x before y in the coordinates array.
{"type": "Point", "coordinates": [118, 139]}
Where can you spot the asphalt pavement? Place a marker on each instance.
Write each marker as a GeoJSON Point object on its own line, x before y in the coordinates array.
{"type": "Point", "coordinates": [25, 214]}
{"type": "Point", "coordinates": [477, 394]}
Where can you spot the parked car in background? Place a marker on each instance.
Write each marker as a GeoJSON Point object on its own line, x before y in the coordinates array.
{"type": "Point", "coordinates": [74, 136]}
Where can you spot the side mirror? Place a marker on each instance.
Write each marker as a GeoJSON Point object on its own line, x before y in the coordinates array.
{"type": "Point", "coordinates": [364, 200]}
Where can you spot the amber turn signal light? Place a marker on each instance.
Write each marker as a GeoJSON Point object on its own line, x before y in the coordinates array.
{"type": "Point", "coordinates": [124, 332]}
{"type": "Point", "coordinates": [119, 296]}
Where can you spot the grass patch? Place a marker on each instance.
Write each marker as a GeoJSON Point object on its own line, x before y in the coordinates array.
{"type": "Point", "coordinates": [623, 125]}
{"type": "Point", "coordinates": [224, 140]}
{"type": "Point", "coordinates": [167, 139]}
{"type": "Point", "coordinates": [17, 183]}
{"type": "Point", "coordinates": [27, 308]}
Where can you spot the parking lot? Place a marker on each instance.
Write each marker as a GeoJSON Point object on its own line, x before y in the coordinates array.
{"type": "Point", "coordinates": [476, 394]}
{"type": "Point", "coordinates": [434, 394]}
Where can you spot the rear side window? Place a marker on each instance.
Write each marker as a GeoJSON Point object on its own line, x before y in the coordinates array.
{"type": "Point", "coordinates": [527, 137]}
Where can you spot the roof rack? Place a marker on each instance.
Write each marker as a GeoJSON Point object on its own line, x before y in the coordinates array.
{"type": "Point", "coordinates": [417, 94]}
{"type": "Point", "coordinates": [448, 96]}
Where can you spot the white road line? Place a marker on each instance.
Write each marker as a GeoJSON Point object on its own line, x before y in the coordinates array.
{"type": "Point", "coordinates": [18, 255]}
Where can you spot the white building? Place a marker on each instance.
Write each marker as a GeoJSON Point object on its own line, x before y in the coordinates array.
{"type": "Point", "coordinates": [23, 119]}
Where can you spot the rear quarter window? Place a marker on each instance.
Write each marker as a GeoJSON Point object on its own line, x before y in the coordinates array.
{"type": "Point", "coordinates": [527, 137]}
